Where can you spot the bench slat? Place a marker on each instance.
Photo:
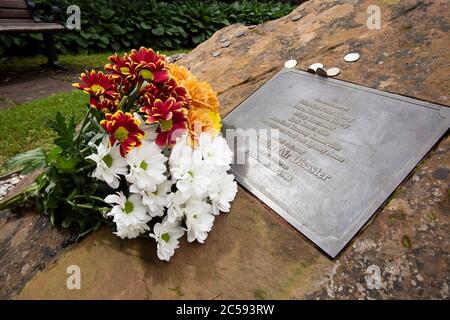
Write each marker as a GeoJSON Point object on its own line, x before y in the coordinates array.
{"type": "Point", "coordinates": [30, 27]}
{"type": "Point", "coordinates": [9, 20]}
{"type": "Point", "coordinates": [15, 13]}
{"type": "Point", "coordinates": [14, 4]}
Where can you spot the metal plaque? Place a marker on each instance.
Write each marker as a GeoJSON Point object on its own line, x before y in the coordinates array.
{"type": "Point", "coordinates": [329, 153]}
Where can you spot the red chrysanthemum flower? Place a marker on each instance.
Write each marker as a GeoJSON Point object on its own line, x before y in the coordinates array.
{"type": "Point", "coordinates": [163, 91]}
{"type": "Point", "coordinates": [102, 89]}
{"type": "Point", "coordinates": [124, 128]}
{"type": "Point", "coordinates": [170, 116]}
{"type": "Point", "coordinates": [122, 67]}
{"type": "Point", "coordinates": [149, 65]}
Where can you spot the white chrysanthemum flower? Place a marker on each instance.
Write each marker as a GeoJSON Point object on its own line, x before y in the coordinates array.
{"type": "Point", "coordinates": [180, 149]}
{"type": "Point", "coordinates": [130, 215]}
{"type": "Point", "coordinates": [191, 173]}
{"type": "Point", "coordinates": [110, 164]}
{"type": "Point", "coordinates": [166, 235]}
{"type": "Point", "coordinates": [175, 206]}
{"type": "Point", "coordinates": [215, 150]}
{"type": "Point", "coordinates": [154, 201]}
{"type": "Point", "coordinates": [147, 166]}
{"type": "Point", "coordinates": [199, 220]}
{"type": "Point", "coordinates": [222, 191]}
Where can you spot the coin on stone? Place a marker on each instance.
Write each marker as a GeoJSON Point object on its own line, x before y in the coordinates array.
{"type": "Point", "coordinates": [239, 33]}
{"type": "Point", "coordinates": [216, 53]}
{"type": "Point", "coordinates": [332, 72]}
{"type": "Point", "coordinates": [225, 44]}
{"type": "Point", "coordinates": [223, 39]}
{"type": "Point", "coordinates": [322, 72]}
{"type": "Point", "coordinates": [312, 68]}
{"type": "Point", "coordinates": [352, 57]}
{"type": "Point", "coordinates": [252, 27]}
{"type": "Point", "coordinates": [296, 17]}
{"type": "Point", "coordinates": [290, 63]}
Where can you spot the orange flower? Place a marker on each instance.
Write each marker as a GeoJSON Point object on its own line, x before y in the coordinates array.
{"type": "Point", "coordinates": [123, 128]}
{"type": "Point", "coordinates": [201, 93]}
{"type": "Point", "coordinates": [204, 109]}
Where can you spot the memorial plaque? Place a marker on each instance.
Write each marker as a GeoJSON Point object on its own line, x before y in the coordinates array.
{"type": "Point", "coordinates": [341, 150]}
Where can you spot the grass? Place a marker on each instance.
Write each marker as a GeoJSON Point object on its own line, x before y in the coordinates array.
{"type": "Point", "coordinates": [77, 62]}
{"type": "Point", "coordinates": [25, 127]}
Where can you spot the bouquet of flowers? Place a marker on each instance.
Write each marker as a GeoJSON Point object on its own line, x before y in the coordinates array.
{"type": "Point", "coordinates": [148, 159]}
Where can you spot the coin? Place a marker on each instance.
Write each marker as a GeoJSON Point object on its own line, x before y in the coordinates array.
{"type": "Point", "coordinates": [225, 44]}
{"type": "Point", "coordinates": [352, 57]}
{"type": "Point", "coordinates": [296, 17]}
{"type": "Point", "coordinates": [312, 68]}
{"type": "Point", "coordinates": [290, 63]}
{"type": "Point", "coordinates": [322, 72]}
{"type": "Point", "coordinates": [332, 72]}
{"type": "Point", "coordinates": [239, 33]}
{"type": "Point", "coordinates": [252, 27]}
{"type": "Point", "coordinates": [216, 53]}
{"type": "Point", "coordinates": [223, 39]}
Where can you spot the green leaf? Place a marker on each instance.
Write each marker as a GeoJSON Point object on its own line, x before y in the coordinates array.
{"type": "Point", "coordinates": [82, 42]}
{"type": "Point", "coordinates": [158, 31]}
{"type": "Point", "coordinates": [104, 39]}
{"type": "Point", "coordinates": [66, 164]}
{"type": "Point", "coordinates": [107, 13]}
{"type": "Point", "coordinates": [66, 133]}
{"type": "Point", "coordinates": [53, 155]}
{"type": "Point", "coordinates": [116, 29]}
{"type": "Point", "coordinates": [29, 161]}
{"type": "Point", "coordinates": [144, 25]}
{"type": "Point", "coordinates": [37, 36]}
{"type": "Point", "coordinates": [198, 38]}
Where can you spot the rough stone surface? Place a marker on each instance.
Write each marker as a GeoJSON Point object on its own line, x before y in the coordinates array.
{"type": "Point", "coordinates": [8, 182]}
{"type": "Point", "coordinates": [251, 252]}
{"type": "Point", "coordinates": [27, 245]}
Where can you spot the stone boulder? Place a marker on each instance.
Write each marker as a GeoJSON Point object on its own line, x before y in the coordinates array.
{"type": "Point", "coordinates": [252, 252]}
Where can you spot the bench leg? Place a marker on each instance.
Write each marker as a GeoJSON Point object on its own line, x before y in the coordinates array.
{"type": "Point", "coordinates": [51, 53]}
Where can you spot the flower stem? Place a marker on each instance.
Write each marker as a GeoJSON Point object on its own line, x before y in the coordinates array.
{"type": "Point", "coordinates": [82, 127]}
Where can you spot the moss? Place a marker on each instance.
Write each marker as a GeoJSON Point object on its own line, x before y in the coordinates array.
{"type": "Point", "coordinates": [406, 242]}
{"type": "Point", "coordinates": [260, 294]}
{"type": "Point", "coordinates": [177, 291]}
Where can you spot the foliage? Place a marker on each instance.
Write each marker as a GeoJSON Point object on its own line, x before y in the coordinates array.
{"type": "Point", "coordinates": [11, 66]}
{"type": "Point", "coordinates": [108, 25]}
{"type": "Point", "coordinates": [65, 191]}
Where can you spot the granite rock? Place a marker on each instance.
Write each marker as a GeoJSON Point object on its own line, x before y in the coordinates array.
{"type": "Point", "coordinates": [252, 252]}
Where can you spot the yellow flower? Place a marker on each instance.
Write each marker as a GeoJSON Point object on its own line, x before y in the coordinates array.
{"type": "Point", "coordinates": [203, 120]}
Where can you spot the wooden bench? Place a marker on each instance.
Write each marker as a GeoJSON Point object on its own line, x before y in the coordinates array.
{"type": "Point", "coordinates": [17, 16]}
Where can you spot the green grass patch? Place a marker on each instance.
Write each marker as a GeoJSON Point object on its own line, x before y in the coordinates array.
{"type": "Point", "coordinates": [25, 127]}
{"type": "Point", "coordinates": [77, 62]}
